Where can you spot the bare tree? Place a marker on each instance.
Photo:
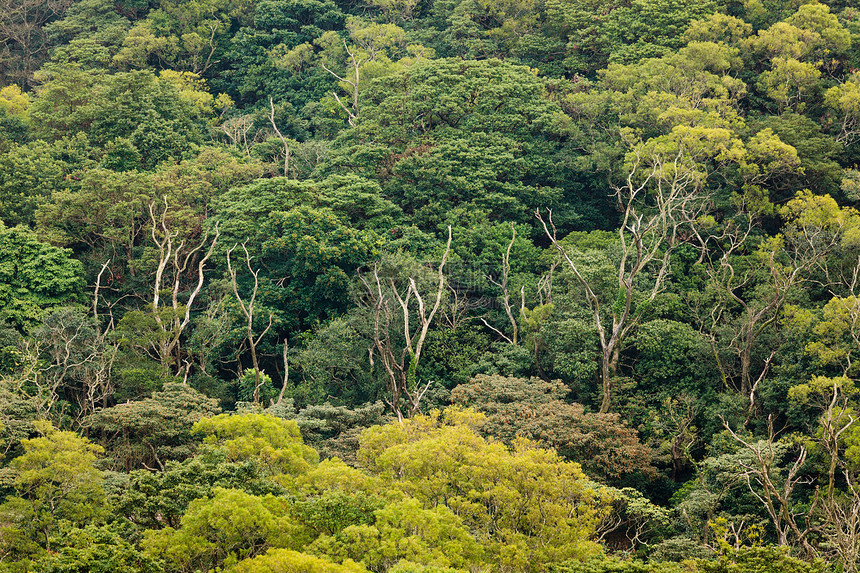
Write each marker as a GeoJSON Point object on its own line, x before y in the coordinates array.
{"type": "Point", "coordinates": [175, 256]}
{"type": "Point", "coordinates": [657, 206]}
{"type": "Point", "coordinates": [506, 295]}
{"type": "Point", "coordinates": [815, 228]}
{"type": "Point", "coordinates": [392, 308]}
{"type": "Point", "coordinates": [286, 372]}
{"type": "Point", "coordinates": [773, 487]}
{"type": "Point", "coordinates": [839, 511]}
{"type": "Point", "coordinates": [756, 316]}
{"type": "Point", "coordinates": [353, 83]}
{"type": "Point", "coordinates": [23, 38]}
{"type": "Point", "coordinates": [236, 129]}
{"type": "Point", "coordinates": [247, 308]}
{"type": "Point", "coordinates": [280, 136]}
{"type": "Point", "coordinates": [841, 524]}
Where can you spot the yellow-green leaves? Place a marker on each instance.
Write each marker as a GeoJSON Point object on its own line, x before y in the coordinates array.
{"type": "Point", "coordinates": [525, 505]}
{"type": "Point", "coordinates": [844, 99]}
{"type": "Point", "coordinates": [817, 225]}
{"type": "Point", "coordinates": [718, 28]}
{"type": "Point", "coordinates": [288, 561]}
{"type": "Point", "coordinates": [798, 49]}
{"type": "Point", "coordinates": [837, 336]}
{"type": "Point", "coordinates": [769, 155]}
{"type": "Point", "coordinates": [223, 530]}
{"type": "Point", "coordinates": [789, 81]}
{"type": "Point", "coordinates": [54, 480]}
{"type": "Point", "coordinates": [13, 101]}
{"type": "Point", "coordinates": [406, 530]}
{"type": "Point", "coordinates": [275, 442]}
{"type": "Point", "coordinates": [821, 388]}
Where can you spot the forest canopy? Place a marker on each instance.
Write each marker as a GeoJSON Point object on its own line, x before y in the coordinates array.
{"type": "Point", "coordinates": [429, 286]}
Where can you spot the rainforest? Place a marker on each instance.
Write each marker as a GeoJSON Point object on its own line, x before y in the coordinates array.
{"type": "Point", "coordinates": [429, 286]}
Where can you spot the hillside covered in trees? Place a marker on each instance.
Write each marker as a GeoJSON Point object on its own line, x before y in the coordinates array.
{"type": "Point", "coordinates": [429, 286]}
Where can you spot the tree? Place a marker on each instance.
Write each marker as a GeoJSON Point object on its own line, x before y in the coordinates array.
{"type": "Point", "coordinates": [181, 36]}
{"type": "Point", "coordinates": [310, 254]}
{"type": "Point", "coordinates": [154, 500]}
{"type": "Point", "coordinates": [34, 277]}
{"type": "Point", "coordinates": [525, 505]}
{"type": "Point", "coordinates": [470, 139]}
{"type": "Point", "coordinates": [334, 430]}
{"type": "Point", "coordinates": [380, 295]}
{"type": "Point", "coordinates": [54, 479]}
{"type": "Point", "coordinates": [274, 442]}
{"type": "Point", "coordinates": [844, 99]}
{"type": "Point", "coordinates": [815, 228]}
{"type": "Point", "coordinates": [404, 530]}
{"type": "Point", "coordinates": [167, 321]}
{"type": "Point", "coordinates": [29, 173]}
{"type": "Point", "coordinates": [152, 431]}
{"type": "Point", "coordinates": [596, 34]}
{"type": "Point", "coordinates": [96, 549]}
{"type": "Point", "coordinates": [248, 310]}
{"type": "Point", "coordinates": [229, 527]}
{"type": "Point", "coordinates": [832, 397]}
{"type": "Point", "coordinates": [774, 489]}
{"type": "Point", "coordinates": [71, 363]}
{"type": "Point", "coordinates": [145, 117]}
{"type": "Point", "coordinates": [764, 559]}
{"type": "Point", "coordinates": [23, 39]}
{"type": "Point", "coordinates": [514, 407]}
{"type": "Point", "coordinates": [662, 197]}
{"type": "Point", "coordinates": [283, 560]}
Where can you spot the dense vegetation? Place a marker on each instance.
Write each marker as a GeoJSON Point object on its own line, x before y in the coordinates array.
{"type": "Point", "coordinates": [429, 286]}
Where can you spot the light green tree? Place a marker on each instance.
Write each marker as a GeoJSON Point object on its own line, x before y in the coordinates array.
{"type": "Point", "coordinates": [54, 479]}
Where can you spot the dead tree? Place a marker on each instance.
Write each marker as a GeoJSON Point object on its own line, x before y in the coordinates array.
{"type": "Point", "coordinates": [280, 136]}
{"type": "Point", "coordinates": [656, 207]}
{"type": "Point", "coordinates": [175, 257]}
{"type": "Point", "coordinates": [781, 265]}
{"type": "Point", "coordinates": [286, 372]}
{"type": "Point", "coordinates": [236, 129]}
{"type": "Point", "coordinates": [773, 487]}
{"type": "Point", "coordinates": [506, 295]}
{"type": "Point", "coordinates": [392, 307]}
{"type": "Point", "coordinates": [839, 511]}
{"type": "Point", "coordinates": [247, 308]}
{"type": "Point", "coordinates": [355, 65]}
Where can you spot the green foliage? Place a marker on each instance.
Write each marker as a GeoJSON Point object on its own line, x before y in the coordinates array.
{"type": "Point", "coordinates": [537, 410]}
{"type": "Point", "coordinates": [406, 531]}
{"type": "Point", "coordinates": [29, 173]}
{"type": "Point", "coordinates": [334, 430]}
{"type": "Point", "coordinates": [333, 362]}
{"type": "Point", "coordinates": [466, 127]}
{"type": "Point", "coordinates": [672, 358]}
{"type": "Point", "coordinates": [612, 565]}
{"type": "Point", "coordinates": [154, 500]}
{"type": "Point", "coordinates": [428, 456]}
{"type": "Point", "coordinates": [34, 277]}
{"type": "Point", "coordinates": [334, 511]}
{"type": "Point", "coordinates": [94, 549]}
{"type": "Point", "coordinates": [248, 382]}
{"type": "Point", "coordinates": [274, 442]}
{"type": "Point", "coordinates": [284, 560]}
{"type": "Point", "coordinates": [221, 531]}
{"type": "Point", "coordinates": [152, 431]}
{"type": "Point", "coordinates": [310, 253]}
{"type": "Point", "coordinates": [626, 33]}
{"type": "Point", "coordinates": [150, 112]}
{"type": "Point", "coordinates": [761, 560]}
{"type": "Point", "coordinates": [680, 140]}
{"type": "Point", "coordinates": [54, 481]}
